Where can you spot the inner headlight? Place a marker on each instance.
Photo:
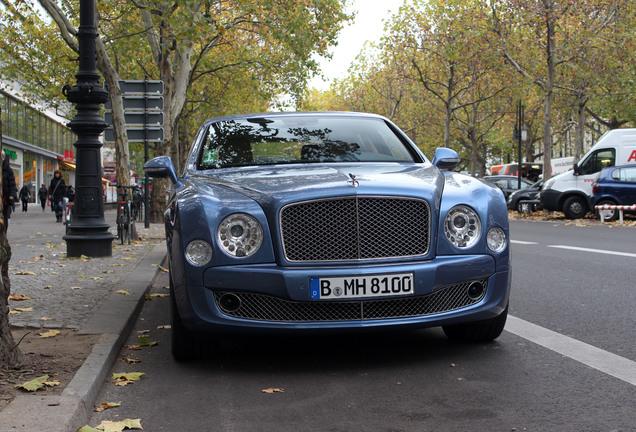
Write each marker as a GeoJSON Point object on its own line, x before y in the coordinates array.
{"type": "Point", "coordinates": [462, 226]}
{"type": "Point", "coordinates": [240, 235]}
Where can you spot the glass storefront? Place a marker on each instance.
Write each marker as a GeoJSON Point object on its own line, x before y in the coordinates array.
{"type": "Point", "coordinates": [34, 142]}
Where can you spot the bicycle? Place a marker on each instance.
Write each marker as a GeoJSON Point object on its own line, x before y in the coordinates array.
{"type": "Point", "coordinates": [125, 222]}
{"type": "Point", "coordinates": [68, 217]}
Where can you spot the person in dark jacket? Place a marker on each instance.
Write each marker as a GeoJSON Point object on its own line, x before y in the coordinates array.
{"type": "Point", "coordinates": [43, 195]}
{"type": "Point", "coordinates": [25, 196]}
{"type": "Point", "coordinates": [57, 191]}
{"type": "Point", "coordinates": [9, 190]}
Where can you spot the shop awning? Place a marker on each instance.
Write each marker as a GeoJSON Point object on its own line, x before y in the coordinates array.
{"type": "Point", "coordinates": [67, 165]}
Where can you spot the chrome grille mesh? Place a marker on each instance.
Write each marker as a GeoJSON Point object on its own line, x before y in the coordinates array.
{"type": "Point", "coordinates": [355, 228]}
{"type": "Point", "coordinates": [267, 308]}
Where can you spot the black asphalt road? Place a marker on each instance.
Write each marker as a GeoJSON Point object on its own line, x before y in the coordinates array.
{"type": "Point", "coordinates": [417, 380]}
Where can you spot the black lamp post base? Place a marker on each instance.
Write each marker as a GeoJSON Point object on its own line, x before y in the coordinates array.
{"type": "Point", "coordinates": [92, 245]}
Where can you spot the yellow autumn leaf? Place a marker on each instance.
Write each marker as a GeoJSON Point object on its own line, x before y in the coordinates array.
{"type": "Point", "coordinates": [123, 292]}
{"type": "Point", "coordinates": [109, 426]}
{"type": "Point", "coordinates": [106, 405]}
{"type": "Point", "coordinates": [38, 383]}
{"type": "Point", "coordinates": [29, 309]}
{"type": "Point", "coordinates": [75, 288]}
{"type": "Point", "coordinates": [30, 273]}
{"type": "Point", "coordinates": [19, 297]}
{"type": "Point", "coordinates": [87, 428]}
{"type": "Point", "coordinates": [273, 390]}
{"type": "Point", "coordinates": [159, 295]}
{"type": "Point", "coordinates": [49, 334]}
{"type": "Point", "coordinates": [123, 379]}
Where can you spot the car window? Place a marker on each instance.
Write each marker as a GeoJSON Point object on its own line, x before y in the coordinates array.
{"type": "Point", "coordinates": [300, 139]}
{"type": "Point", "coordinates": [625, 175]}
{"type": "Point", "coordinates": [597, 161]}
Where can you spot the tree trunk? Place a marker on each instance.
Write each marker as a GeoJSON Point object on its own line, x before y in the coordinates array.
{"type": "Point", "coordinates": [580, 127]}
{"type": "Point", "coordinates": [10, 355]}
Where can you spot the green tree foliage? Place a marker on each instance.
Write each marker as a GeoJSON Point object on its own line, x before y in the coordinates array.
{"type": "Point", "coordinates": [452, 72]}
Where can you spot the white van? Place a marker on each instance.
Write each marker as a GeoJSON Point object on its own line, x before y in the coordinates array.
{"type": "Point", "coordinates": [570, 192]}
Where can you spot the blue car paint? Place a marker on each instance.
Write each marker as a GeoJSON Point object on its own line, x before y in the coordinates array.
{"type": "Point", "coordinates": [201, 199]}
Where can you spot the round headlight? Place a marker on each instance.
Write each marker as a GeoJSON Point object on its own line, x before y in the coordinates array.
{"type": "Point", "coordinates": [198, 252]}
{"type": "Point", "coordinates": [496, 239]}
{"type": "Point", "coordinates": [240, 235]}
{"type": "Point", "coordinates": [462, 226]}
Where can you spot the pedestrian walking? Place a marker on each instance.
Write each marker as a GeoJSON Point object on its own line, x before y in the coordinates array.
{"type": "Point", "coordinates": [25, 196]}
{"type": "Point", "coordinates": [57, 190]}
{"type": "Point", "coordinates": [9, 190]}
{"type": "Point", "coordinates": [43, 195]}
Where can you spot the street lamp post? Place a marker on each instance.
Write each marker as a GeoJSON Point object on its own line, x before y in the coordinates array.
{"type": "Point", "coordinates": [519, 135]}
{"type": "Point", "coordinates": [88, 231]}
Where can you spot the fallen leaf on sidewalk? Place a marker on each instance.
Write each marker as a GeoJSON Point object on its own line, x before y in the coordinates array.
{"type": "Point", "coordinates": [144, 341]}
{"type": "Point", "coordinates": [132, 347]}
{"type": "Point", "coordinates": [106, 405]}
{"type": "Point", "coordinates": [273, 390]}
{"type": "Point", "coordinates": [75, 287]}
{"type": "Point", "coordinates": [87, 428]}
{"type": "Point", "coordinates": [29, 273]}
{"type": "Point", "coordinates": [19, 297]}
{"type": "Point", "coordinates": [49, 334]}
{"type": "Point", "coordinates": [29, 309]}
{"type": "Point", "coordinates": [159, 295]}
{"type": "Point", "coordinates": [130, 360]}
{"type": "Point", "coordinates": [123, 379]}
{"type": "Point", "coordinates": [168, 326]}
{"type": "Point", "coordinates": [109, 426]}
{"type": "Point", "coordinates": [38, 383]}
{"type": "Point", "coordinates": [118, 265]}
{"type": "Point", "coordinates": [122, 292]}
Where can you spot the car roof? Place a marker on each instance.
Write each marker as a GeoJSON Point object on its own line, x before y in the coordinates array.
{"type": "Point", "coordinates": [323, 114]}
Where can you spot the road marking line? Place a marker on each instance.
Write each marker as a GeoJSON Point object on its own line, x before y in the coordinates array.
{"type": "Point", "coordinates": [601, 251]}
{"type": "Point", "coordinates": [523, 242]}
{"type": "Point", "coordinates": [604, 361]}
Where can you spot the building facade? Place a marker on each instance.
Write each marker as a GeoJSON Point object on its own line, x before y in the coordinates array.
{"type": "Point", "coordinates": [36, 144]}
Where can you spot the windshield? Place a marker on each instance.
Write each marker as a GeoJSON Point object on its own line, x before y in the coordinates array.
{"type": "Point", "coordinates": [300, 139]}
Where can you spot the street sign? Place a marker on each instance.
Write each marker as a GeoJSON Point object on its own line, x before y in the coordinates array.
{"type": "Point", "coordinates": [139, 103]}
{"type": "Point", "coordinates": [151, 134]}
{"type": "Point", "coordinates": [141, 87]}
{"type": "Point", "coordinates": [138, 119]}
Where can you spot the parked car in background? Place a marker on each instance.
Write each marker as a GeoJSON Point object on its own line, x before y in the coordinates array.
{"type": "Point", "coordinates": [614, 186]}
{"type": "Point", "coordinates": [329, 222]}
{"type": "Point", "coordinates": [508, 184]}
{"type": "Point", "coordinates": [526, 200]}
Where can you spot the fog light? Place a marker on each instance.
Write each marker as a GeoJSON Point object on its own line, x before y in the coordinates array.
{"type": "Point", "coordinates": [475, 290]}
{"type": "Point", "coordinates": [229, 302]}
{"type": "Point", "coordinates": [496, 239]}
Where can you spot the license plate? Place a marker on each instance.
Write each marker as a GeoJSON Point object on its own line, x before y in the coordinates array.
{"type": "Point", "coordinates": [330, 288]}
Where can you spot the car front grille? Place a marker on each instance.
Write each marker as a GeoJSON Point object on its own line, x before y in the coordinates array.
{"type": "Point", "coordinates": [355, 228]}
{"type": "Point", "coordinates": [262, 307]}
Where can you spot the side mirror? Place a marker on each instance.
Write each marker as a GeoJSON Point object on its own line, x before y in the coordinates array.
{"type": "Point", "coordinates": [161, 167]}
{"type": "Point", "coordinates": [576, 169]}
{"type": "Point", "coordinates": [445, 158]}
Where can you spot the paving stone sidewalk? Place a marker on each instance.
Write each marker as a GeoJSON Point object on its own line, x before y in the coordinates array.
{"type": "Point", "coordinates": [65, 292]}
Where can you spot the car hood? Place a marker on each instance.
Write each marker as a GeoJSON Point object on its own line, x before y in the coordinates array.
{"type": "Point", "coordinates": [283, 184]}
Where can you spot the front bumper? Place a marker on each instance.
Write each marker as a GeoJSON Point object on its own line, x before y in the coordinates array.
{"type": "Point", "coordinates": [274, 298]}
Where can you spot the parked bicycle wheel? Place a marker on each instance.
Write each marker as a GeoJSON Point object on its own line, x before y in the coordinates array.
{"type": "Point", "coordinates": [126, 227]}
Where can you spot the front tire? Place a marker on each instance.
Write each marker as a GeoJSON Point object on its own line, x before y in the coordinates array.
{"type": "Point", "coordinates": [478, 331]}
{"type": "Point", "coordinates": [184, 343]}
{"type": "Point", "coordinates": [574, 207]}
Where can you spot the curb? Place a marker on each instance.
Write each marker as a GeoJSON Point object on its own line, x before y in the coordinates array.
{"type": "Point", "coordinates": [113, 321]}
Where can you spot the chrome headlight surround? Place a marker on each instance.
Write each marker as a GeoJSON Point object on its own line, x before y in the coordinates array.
{"type": "Point", "coordinates": [240, 235]}
{"type": "Point", "coordinates": [462, 227]}
{"type": "Point", "coordinates": [496, 239]}
{"type": "Point", "coordinates": [198, 252]}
